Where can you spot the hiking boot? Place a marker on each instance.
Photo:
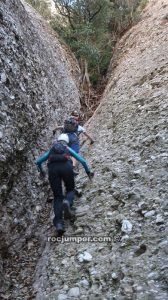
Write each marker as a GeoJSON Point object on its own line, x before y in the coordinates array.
{"type": "Point", "coordinates": [72, 220]}
{"type": "Point", "coordinates": [60, 229]}
{"type": "Point", "coordinates": [68, 213]}
{"type": "Point", "coordinates": [78, 193]}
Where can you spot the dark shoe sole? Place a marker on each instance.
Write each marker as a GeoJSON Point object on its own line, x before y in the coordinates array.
{"type": "Point", "coordinates": [78, 193]}
{"type": "Point", "coordinates": [60, 232]}
{"type": "Point", "coordinates": [60, 229]}
{"type": "Point", "coordinates": [72, 220]}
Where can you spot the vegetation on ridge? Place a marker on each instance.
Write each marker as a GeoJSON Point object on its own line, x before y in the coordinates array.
{"type": "Point", "coordinates": [91, 29]}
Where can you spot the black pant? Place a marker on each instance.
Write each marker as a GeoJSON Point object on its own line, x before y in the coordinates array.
{"type": "Point", "coordinates": [58, 172]}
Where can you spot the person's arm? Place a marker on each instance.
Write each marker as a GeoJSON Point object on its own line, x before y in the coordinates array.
{"type": "Point", "coordinates": [89, 137]}
{"type": "Point", "coordinates": [57, 128]}
{"type": "Point", "coordinates": [42, 159]}
{"type": "Point", "coordinates": [83, 130]}
{"type": "Point", "coordinates": [80, 159]}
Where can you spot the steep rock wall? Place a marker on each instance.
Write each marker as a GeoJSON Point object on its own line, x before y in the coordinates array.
{"type": "Point", "coordinates": [37, 90]}
{"type": "Point", "coordinates": [127, 199]}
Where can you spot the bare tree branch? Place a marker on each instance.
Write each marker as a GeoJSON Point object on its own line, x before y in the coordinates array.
{"type": "Point", "coordinates": [65, 10]}
{"type": "Point", "coordinates": [96, 12]}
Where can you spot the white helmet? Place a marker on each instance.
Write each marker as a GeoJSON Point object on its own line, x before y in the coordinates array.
{"type": "Point", "coordinates": [63, 137]}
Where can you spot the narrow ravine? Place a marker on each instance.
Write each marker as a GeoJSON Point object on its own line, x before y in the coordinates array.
{"type": "Point", "coordinates": [125, 202]}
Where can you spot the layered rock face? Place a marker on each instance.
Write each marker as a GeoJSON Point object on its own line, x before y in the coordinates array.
{"type": "Point", "coordinates": [37, 90]}
{"type": "Point", "coordinates": [127, 199]}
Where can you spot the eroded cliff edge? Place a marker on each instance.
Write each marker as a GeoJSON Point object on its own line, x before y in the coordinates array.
{"type": "Point", "coordinates": [37, 89]}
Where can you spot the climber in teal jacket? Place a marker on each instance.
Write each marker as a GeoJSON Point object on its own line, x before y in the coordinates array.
{"type": "Point", "coordinates": [60, 169]}
{"type": "Point", "coordinates": [72, 153]}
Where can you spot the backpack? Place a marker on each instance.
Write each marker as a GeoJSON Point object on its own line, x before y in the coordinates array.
{"type": "Point", "coordinates": [73, 138]}
{"type": "Point", "coordinates": [58, 152]}
{"type": "Point", "coordinates": [70, 125]}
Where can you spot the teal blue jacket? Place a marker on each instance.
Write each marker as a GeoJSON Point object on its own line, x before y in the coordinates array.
{"type": "Point", "coordinates": [45, 156]}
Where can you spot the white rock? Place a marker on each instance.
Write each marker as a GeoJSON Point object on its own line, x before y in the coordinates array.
{"type": "Point", "coordinates": [2, 158]}
{"type": "Point", "coordinates": [153, 157]}
{"type": "Point", "coordinates": [82, 210]}
{"type": "Point", "coordinates": [74, 292]}
{"type": "Point", "coordinates": [62, 297]}
{"type": "Point", "coordinates": [149, 214]}
{"type": "Point", "coordinates": [109, 214]}
{"type": "Point", "coordinates": [137, 172]}
{"type": "Point", "coordinates": [125, 238]}
{"type": "Point", "coordinates": [142, 204]}
{"type": "Point", "coordinates": [159, 219]}
{"type": "Point", "coordinates": [126, 226]}
{"type": "Point", "coordinates": [114, 275]}
{"type": "Point", "coordinates": [84, 283]}
{"type": "Point", "coordinates": [139, 288]}
{"type": "Point", "coordinates": [163, 244]}
{"type": "Point", "coordinates": [86, 257]}
{"type": "Point", "coordinates": [38, 208]}
{"type": "Point", "coordinates": [64, 262]}
{"type": "Point", "coordinates": [20, 145]}
{"type": "Point", "coordinates": [4, 188]}
{"type": "Point", "coordinates": [79, 230]}
{"type": "Point", "coordinates": [153, 275]}
{"type": "Point", "coordinates": [80, 257]}
{"type": "Point", "coordinates": [16, 221]}
{"type": "Point", "coordinates": [41, 195]}
{"type": "Point", "coordinates": [93, 272]}
{"type": "Point", "coordinates": [3, 77]}
{"type": "Point", "coordinates": [1, 134]}
{"type": "Point", "coordinates": [30, 245]}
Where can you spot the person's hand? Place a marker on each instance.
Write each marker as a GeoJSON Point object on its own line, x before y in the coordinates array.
{"type": "Point", "coordinates": [90, 175]}
{"type": "Point", "coordinates": [54, 131]}
{"type": "Point", "coordinates": [91, 142]}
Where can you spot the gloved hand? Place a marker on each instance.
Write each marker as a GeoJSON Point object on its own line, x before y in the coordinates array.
{"type": "Point", "coordinates": [54, 131]}
{"type": "Point", "coordinates": [90, 174]}
{"type": "Point", "coordinates": [92, 142]}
